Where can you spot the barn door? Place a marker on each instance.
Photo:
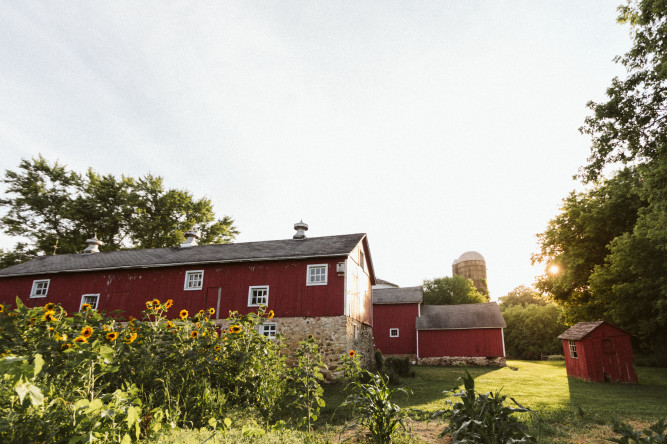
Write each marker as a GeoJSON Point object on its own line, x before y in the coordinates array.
{"type": "Point", "coordinates": [610, 362]}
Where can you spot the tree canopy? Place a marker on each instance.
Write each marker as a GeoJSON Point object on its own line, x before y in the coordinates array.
{"type": "Point", "coordinates": [522, 296]}
{"type": "Point", "coordinates": [53, 210]}
{"type": "Point", "coordinates": [451, 291]}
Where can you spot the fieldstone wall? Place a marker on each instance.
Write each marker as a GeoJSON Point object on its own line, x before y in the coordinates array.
{"type": "Point", "coordinates": [460, 361]}
{"type": "Point", "coordinates": [335, 336]}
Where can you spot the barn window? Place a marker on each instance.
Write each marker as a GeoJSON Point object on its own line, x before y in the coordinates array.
{"type": "Point", "coordinates": [393, 332]}
{"type": "Point", "coordinates": [317, 274]}
{"type": "Point", "coordinates": [40, 288]}
{"type": "Point", "coordinates": [194, 280]}
{"type": "Point", "coordinates": [90, 299]}
{"type": "Point", "coordinates": [269, 329]}
{"type": "Point", "coordinates": [258, 296]}
{"type": "Point", "coordinates": [573, 349]}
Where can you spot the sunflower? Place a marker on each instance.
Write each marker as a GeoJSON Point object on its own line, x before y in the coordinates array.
{"type": "Point", "coordinates": [169, 303]}
{"type": "Point", "coordinates": [131, 319]}
{"type": "Point", "coordinates": [156, 302]}
{"type": "Point", "coordinates": [170, 324]}
{"type": "Point", "coordinates": [50, 306]}
{"type": "Point", "coordinates": [198, 325]}
{"type": "Point", "coordinates": [60, 338]}
{"type": "Point", "coordinates": [183, 314]}
{"type": "Point", "coordinates": [80, 339]}
{"type": "Point", "coordinates": [86, 307]}
{"type": "Point", "coordinates": [352, 353]}
{"type": "Point", "coordinates": [201, 313]}
{"type": "Point", "coordinates": [235, 329]}
{"type": "Point", "coordinates": [149, 305]}
{"type": "Point", "coordinates": [48, 316]}
{"type": "Point", "coordinates": [270, 314]}
{"type": "Point", "coordinates": [112, 336]}
{"type": "Point", "coordinates": [130, 338]}
{"type": "Point", "coordinates": [65, 347]}
{"type": "Point", "coordinates": [217, 348]}
{"type": "Point", "coordinates": [211, 311]}
{"type": "Point", "coordinates": [224, 332]}
{"type": "Point", "coordinates": [2, 308]}
{"type": "Point", "coordinates": [87, 332]}
{"type": "Point", "coordinates": [310, 337]}
{"type": "Point", "coordinates": [194, 334]}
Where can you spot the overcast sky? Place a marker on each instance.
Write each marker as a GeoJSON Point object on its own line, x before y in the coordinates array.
{"type": "Point", "coordinates": [436, 127]}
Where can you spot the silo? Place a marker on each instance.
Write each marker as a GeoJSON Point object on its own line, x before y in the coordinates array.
{"type": "Point", "coordinates": [471, 265]}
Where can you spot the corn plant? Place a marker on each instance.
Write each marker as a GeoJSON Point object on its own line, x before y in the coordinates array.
{"type": "Point", "coordinates": [372, 401]}
{"type": "Point", "coordinates": [654, 434]}
{"type": "Point", "coordinates": [306, 382]}
{"type": "Point", "coordinates": [483, 418]}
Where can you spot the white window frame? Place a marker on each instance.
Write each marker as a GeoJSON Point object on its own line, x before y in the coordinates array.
{"type": "Point", "coordinates": [189, 273]}
{"type": "Point", "coordinates": [309, 277]}
{"type": "Point", "coordinates": [83, 300]}
{"type": "Point", "coordinates": [573, 349]}
{"type": "Point", "coordinates": [34, 290]}
{"type": "Point", "coordinates": [258, 287]}
{"type": "Point", "coordinates": [391, 332]}
{"type": "Point", "coordinates": [268, 329]}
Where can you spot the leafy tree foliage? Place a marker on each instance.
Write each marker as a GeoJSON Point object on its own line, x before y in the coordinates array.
{"type": "Point", "coordinates": [521, 296]}
{"type": "Point", "coordinates": [54, 210]}
{"type": "Point", "coordinates": [451, 291]}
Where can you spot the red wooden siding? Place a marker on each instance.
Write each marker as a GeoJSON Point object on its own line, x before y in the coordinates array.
{"type": "Point", "coordinates": [485, 342]}
{"type": "Point", "coordinates": [128, 290]}
{"type": "Point", "coordinates": [606, 350]}
{"type": "Point", "coordinates": [401, 316]}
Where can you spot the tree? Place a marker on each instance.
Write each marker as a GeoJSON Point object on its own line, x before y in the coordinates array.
{"type": "Point", "coordinates": [532, 330]}
{"type": "Point", "coordinates": [521, 296]}
{"type": "Point", "coordinates": [54, 210]}
{"type": "Point", "coordinates": [451, 291]}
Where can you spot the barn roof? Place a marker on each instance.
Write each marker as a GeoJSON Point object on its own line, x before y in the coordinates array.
{"type": "Point", "coordinates": [580, 330]}
{"type": "Point", "coordinates": [460, 317]}
{"type": "Point", "coordinates": [405, 295]}
{"type": "Point", "coordinates": [312, 247]}
{"type": "Point", "coordinates": [379, 281]}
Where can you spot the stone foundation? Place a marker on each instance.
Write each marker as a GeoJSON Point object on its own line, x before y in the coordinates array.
{"type": "Point", "coordinates": [335, 336]}
{"type": "Point", "coordinates": [461, 361]}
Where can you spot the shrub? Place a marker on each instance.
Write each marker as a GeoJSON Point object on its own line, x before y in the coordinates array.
{"type": "Point", "coordinates": [379, 360]}
{"type": "Point", "coordinates": [400, 365]}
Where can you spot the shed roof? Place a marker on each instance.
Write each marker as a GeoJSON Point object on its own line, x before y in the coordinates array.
{"type": "Point", "coordinates": [379, 281]}
{"type": "Point", "coordinates": [405, 295]}
{"type": "Point", "coordinates": [580, 330]}
{"type": "Point", "coordinates": [326, 246]}
{"type": "Point", "coordinates": [460, 317]}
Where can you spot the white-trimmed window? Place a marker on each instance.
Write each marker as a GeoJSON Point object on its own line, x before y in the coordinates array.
{"type": "Point", "coordinates": [91, 299]}
{"type": "Point", "coordinates": [393, 332]}
{"type": "Point", "coordinates": [40, 288]}
{"type": "Point", "coordinates": [317, 274]}
{"type": "Point", "coordinates": [258, 295]}
{"type": "Point", "coordinates": [194, 280]}
{"type": "Point", "coordinates": [573, 349]}
{"type": "Point", "coordinates": [268, 329]}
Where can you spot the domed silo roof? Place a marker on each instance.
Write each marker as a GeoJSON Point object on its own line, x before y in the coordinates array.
{"type": "Point", "coordinates": [470, 256]}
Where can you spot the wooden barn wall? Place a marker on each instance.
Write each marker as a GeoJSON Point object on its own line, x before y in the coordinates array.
{"type": "Point", "coordinates": [401, 316]}
{"type": "Point", "coordinates": [359, 287]}
{"type": "Point", "coordinates": [128, 290]}
{"type": "Point", "coordinates": [606, 350]}
{"type": "Point", "coordinates": [483, 342]}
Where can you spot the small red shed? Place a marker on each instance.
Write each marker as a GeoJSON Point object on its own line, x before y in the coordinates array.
{"type": "Point", "coordinates": [598, 351]}
{"type": "Point", "coordinates": [394, 313]}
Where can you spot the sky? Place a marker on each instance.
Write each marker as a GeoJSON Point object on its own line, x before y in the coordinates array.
{"type": "Point", "coordinates": [436, 127]}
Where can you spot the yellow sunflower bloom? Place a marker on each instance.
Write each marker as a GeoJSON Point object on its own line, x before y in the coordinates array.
{"type": "Point", "coordinates": [194, 334]}
{"type": "Point", "coordinates": [50, 306]}
{"type": "Point", "coordinates": [65, 346]}
{"type": "Point", "coordinates": [217, 348]}
{"type": "Point", "coordinates": [86, 307]}
{"type": "Point", "coordinates": [211, 311]}
{"type": "Point", "coordinates": [87, 332]}
{"type": "Point", "coordinates": [270, 314]}
{"type": "Point", "coordinates": [183, 314]}
{"type": "Point", "coordinates": [170, 324]}
{"type": "Point", "coordinates": [80, 339]}
{"type": "Point", "coordinates": [198, 325]}
{"type": "Point", "coordinates": [352, 353]}
{"type": "Point", "coordinates": [112, 336]}
{"type": "Point", "coordinates": [49, 316]}
{"type": "Point", "coordinates": [201, 313]}
{"type": "Point", "coordinates": [156, 302]}
{"type": "Point", "coordinates": [169, 303]}
{"type": "Point", "coordinates": [130, 338]}
{"type": "Point", "coordinates": [2, 308]}
{"type": "Point", "coordinates": [149, 305]}
{"type": "Point", "coordinates": [235, 329]}
{"type": "Point", "coordinates": [131, 319]}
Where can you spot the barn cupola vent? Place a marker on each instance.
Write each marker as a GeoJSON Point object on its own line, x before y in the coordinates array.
{"type": "Point", "coordinates": [301, 229]}
{"type": "Point", "coordinates": [93, 245]}
{"type": "Point", "coordinates": [190, 239]}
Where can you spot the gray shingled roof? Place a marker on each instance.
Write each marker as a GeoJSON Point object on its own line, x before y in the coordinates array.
{"type": "Point", "coordinates": [379, 281]}
{"type": "Point", "coordinates": [580, 330]}
{"type": "Point", "coordinates": [405, 295]}
{"type": "Point", "coordinates": [463, 316]}
{"type": "Point", "coordinates": [326, 246]}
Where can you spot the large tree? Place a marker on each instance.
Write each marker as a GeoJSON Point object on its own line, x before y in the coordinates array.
{"type": "Point", "coordinates": [53, 210]}
{"type": "Point", "coordinates": [451, 291]}
{"type": "Point", "coordinates": [626, 281]}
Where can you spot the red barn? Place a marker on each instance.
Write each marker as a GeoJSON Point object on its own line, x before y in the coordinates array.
{"type": "Point", "coordinates": [598, 351]}
{"type": "Point", "coordinates": [394, 313]}
{"type": "Point", "coordinates": [447, 332]}
{"type": "Point", "coordinates": [320, 286]}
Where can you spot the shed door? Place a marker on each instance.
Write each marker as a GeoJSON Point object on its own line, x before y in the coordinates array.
{"type": "Point", "coordinates": [610, 363]}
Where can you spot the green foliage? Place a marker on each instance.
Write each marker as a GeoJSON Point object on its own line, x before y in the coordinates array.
{"type": "Point", "coordinates": [654, 434]}
{"type": "Point", "coordinates": [522, 296]}
{"type": "Point", "coordinates": [372, 402]}
{"type": "Point", "coordinates": [56, 210]}
{"type": "Point", "coordinates": [532, 330]}
{"type": "Point", "coordinates": [451, 291]}
{"type": "Point", "coordinates": [306, 382]}
{"type": "Point", "coordinates": [478, 418]}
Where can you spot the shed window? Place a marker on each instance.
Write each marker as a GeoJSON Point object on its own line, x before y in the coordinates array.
{"type": "Point", "coordinates": [194, 280]}
{"type": "Point", "coordinates": [317, 274]}
{"type": "Point", "coordinates": [40, 288]}
{"type": "Point", "coordinates": [573, 349]}
{"type": "Point", "coordinates": [258, 296]}
{"type": "Point", "coordinates": [90, 299]}
{"type": "Point", "coordinates": [268, 329]}
{"type": "Point", "coordinates": [393, 332]}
